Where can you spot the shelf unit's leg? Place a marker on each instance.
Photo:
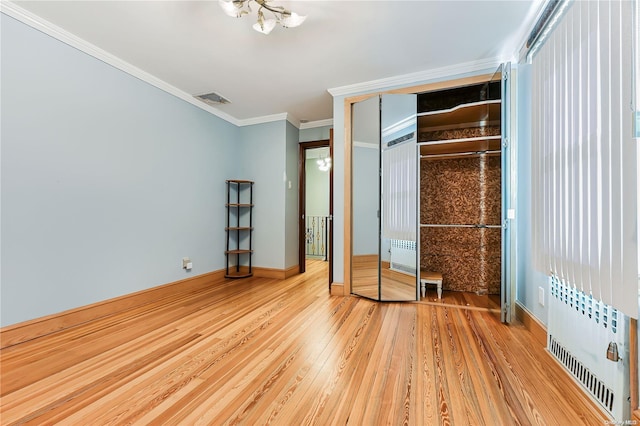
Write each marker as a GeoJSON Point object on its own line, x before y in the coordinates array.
{"type": "Point", "coordinates": [228, 220]}
{"type": "Point", "coordinates": [250, 223]}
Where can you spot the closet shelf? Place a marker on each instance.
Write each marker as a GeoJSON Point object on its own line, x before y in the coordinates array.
{"type": "Point", "coordinates": [483, 112]}
{"type": "Point", "coordinates": [489, 143]}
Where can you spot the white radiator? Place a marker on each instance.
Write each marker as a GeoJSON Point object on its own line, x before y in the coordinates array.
{"type": "Point", "coordinates": [403, 256]}
{"type": "Point", "coordinates": [579, 332]}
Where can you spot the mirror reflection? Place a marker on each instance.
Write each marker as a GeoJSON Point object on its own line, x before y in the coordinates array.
{"type": "Point", "coordinates": [384, 198]}
{"type": "Point", "coordinates": [365, 159]}
{"type": "Point", "coordinates": [398, 197]}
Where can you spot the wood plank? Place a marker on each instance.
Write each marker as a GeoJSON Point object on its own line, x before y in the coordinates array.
{"type": "Point", "coordinates": [266, 351]}
{"type": "Point", "coordinates": [27, 330]}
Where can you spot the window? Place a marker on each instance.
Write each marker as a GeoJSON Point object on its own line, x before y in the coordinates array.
{"type": "Point", "coordinates": [584, 158]}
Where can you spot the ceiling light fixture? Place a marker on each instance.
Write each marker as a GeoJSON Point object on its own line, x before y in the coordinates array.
{"type": "Point", "coordinates": [324, 164]}
{"type": "Point", "coordinates": [282, 16]}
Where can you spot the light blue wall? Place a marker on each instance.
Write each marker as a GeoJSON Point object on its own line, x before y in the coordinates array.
{"type": "Point", "coordinates": [528, 278]}
{"type": "Point", "coordinates": [262, 158]}
{"type": "Point", "coordinates": [268, 155]}
{"type": "Point", "coordinates": [107, 181]}
{"type": "Point", "coordinates": [366, 200]}
{"type": "Point", "coordinates": [291, 197]}
{"type": "Point", "coordinates": [315, 134]}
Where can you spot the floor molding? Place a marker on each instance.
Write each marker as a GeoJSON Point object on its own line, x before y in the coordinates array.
{"type": "Point", "coordinates": [532, 324]}
{"type": "Point", "coordinates": [289, 272]}
{"type": "Point", "coordinates": [28, 330]}
{"type": "Point", "coordinates": [279, 274]}
{"type": "Point", "coordinates": [337, 289]}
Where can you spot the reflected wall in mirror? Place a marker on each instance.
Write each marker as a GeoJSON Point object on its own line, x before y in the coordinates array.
{"type": "Point", "coordinates": [365, 171]}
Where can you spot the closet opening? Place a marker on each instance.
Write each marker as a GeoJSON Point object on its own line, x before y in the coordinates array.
{"type": "Point", "coordinates": [461, 193]}
{"type": "Point", "coordinates": [460, 253]}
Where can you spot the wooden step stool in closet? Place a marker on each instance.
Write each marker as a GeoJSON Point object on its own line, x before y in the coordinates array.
{"type": "Point", "coordinates": [429, 277]}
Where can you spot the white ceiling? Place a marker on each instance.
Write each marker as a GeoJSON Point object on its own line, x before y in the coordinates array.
{"type": "Point", "coordinates": [194, 47]}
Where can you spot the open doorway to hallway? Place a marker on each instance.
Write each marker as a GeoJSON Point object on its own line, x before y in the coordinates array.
{"type": "Point", "coordinates": [318, 163]}
{"type": "Point", "coordinates": [316, 204]}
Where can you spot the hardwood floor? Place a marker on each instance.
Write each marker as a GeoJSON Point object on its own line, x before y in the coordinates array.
{"type": "Point", "coordinates": [401, 286]}
{"type": "Point", "coordinates": [465, 300]}
{"type": "Point", "coordinates": [265, 351]}
{"type": "Point", "coordinates": [396, 286]}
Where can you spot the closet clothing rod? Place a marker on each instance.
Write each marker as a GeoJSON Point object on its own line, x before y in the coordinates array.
{"type": "Point", "coordinates": [457, 154]}
{"type": "Point", "coordinates": [425, 225]}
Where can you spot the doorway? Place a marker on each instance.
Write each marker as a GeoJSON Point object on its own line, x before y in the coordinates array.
{"type": "Point", "coordinates": [315, 228]}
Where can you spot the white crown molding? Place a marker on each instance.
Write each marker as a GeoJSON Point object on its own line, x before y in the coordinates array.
{"type": "Point", "coordinates": [36, 22]}
{"type": "Point", "coordinates": [314, 124]}
{"type": "Point", "coordinates": [365, 145]}
{"type": "Point", "coordinates": [415, 78]}
{"type": "Point", "coordinates": [286, 116]}
{"type": "Point", "coordinates": [264, 119]}
{"type": "Point", "coordinates": [399, 126]}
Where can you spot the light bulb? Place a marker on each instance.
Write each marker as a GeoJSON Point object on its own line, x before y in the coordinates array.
{"type": "Point", "coordinates": [292, 20]}
{"type": "Point", "coordinates": [265, 26]}
{"type": "Point", "coordinates": [232, 8]}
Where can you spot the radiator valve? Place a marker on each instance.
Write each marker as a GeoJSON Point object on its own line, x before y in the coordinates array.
{"type": "Point", "coordinates": [612, 352]}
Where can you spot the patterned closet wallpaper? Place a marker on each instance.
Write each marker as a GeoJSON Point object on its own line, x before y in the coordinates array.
{"type": "Point", "coordinates": [462, 191]}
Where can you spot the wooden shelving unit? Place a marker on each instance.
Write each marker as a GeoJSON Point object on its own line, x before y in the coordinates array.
{"type": "Point", "coordinates": [239, 228]}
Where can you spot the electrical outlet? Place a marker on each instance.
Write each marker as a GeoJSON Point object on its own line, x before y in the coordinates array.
{"type": "Point", "coordinates": [541, 295]}
{"type": "Point", "coordinates": [186, 264]}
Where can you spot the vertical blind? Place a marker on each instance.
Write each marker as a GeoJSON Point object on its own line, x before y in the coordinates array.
{"type": "Point", "coordinates": [584, 154]}
{"type": "Point", "coordinates": [399, 191]}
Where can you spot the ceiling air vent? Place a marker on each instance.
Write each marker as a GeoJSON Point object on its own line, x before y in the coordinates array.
{"type": "Point", "coordinates": [213, 99]}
